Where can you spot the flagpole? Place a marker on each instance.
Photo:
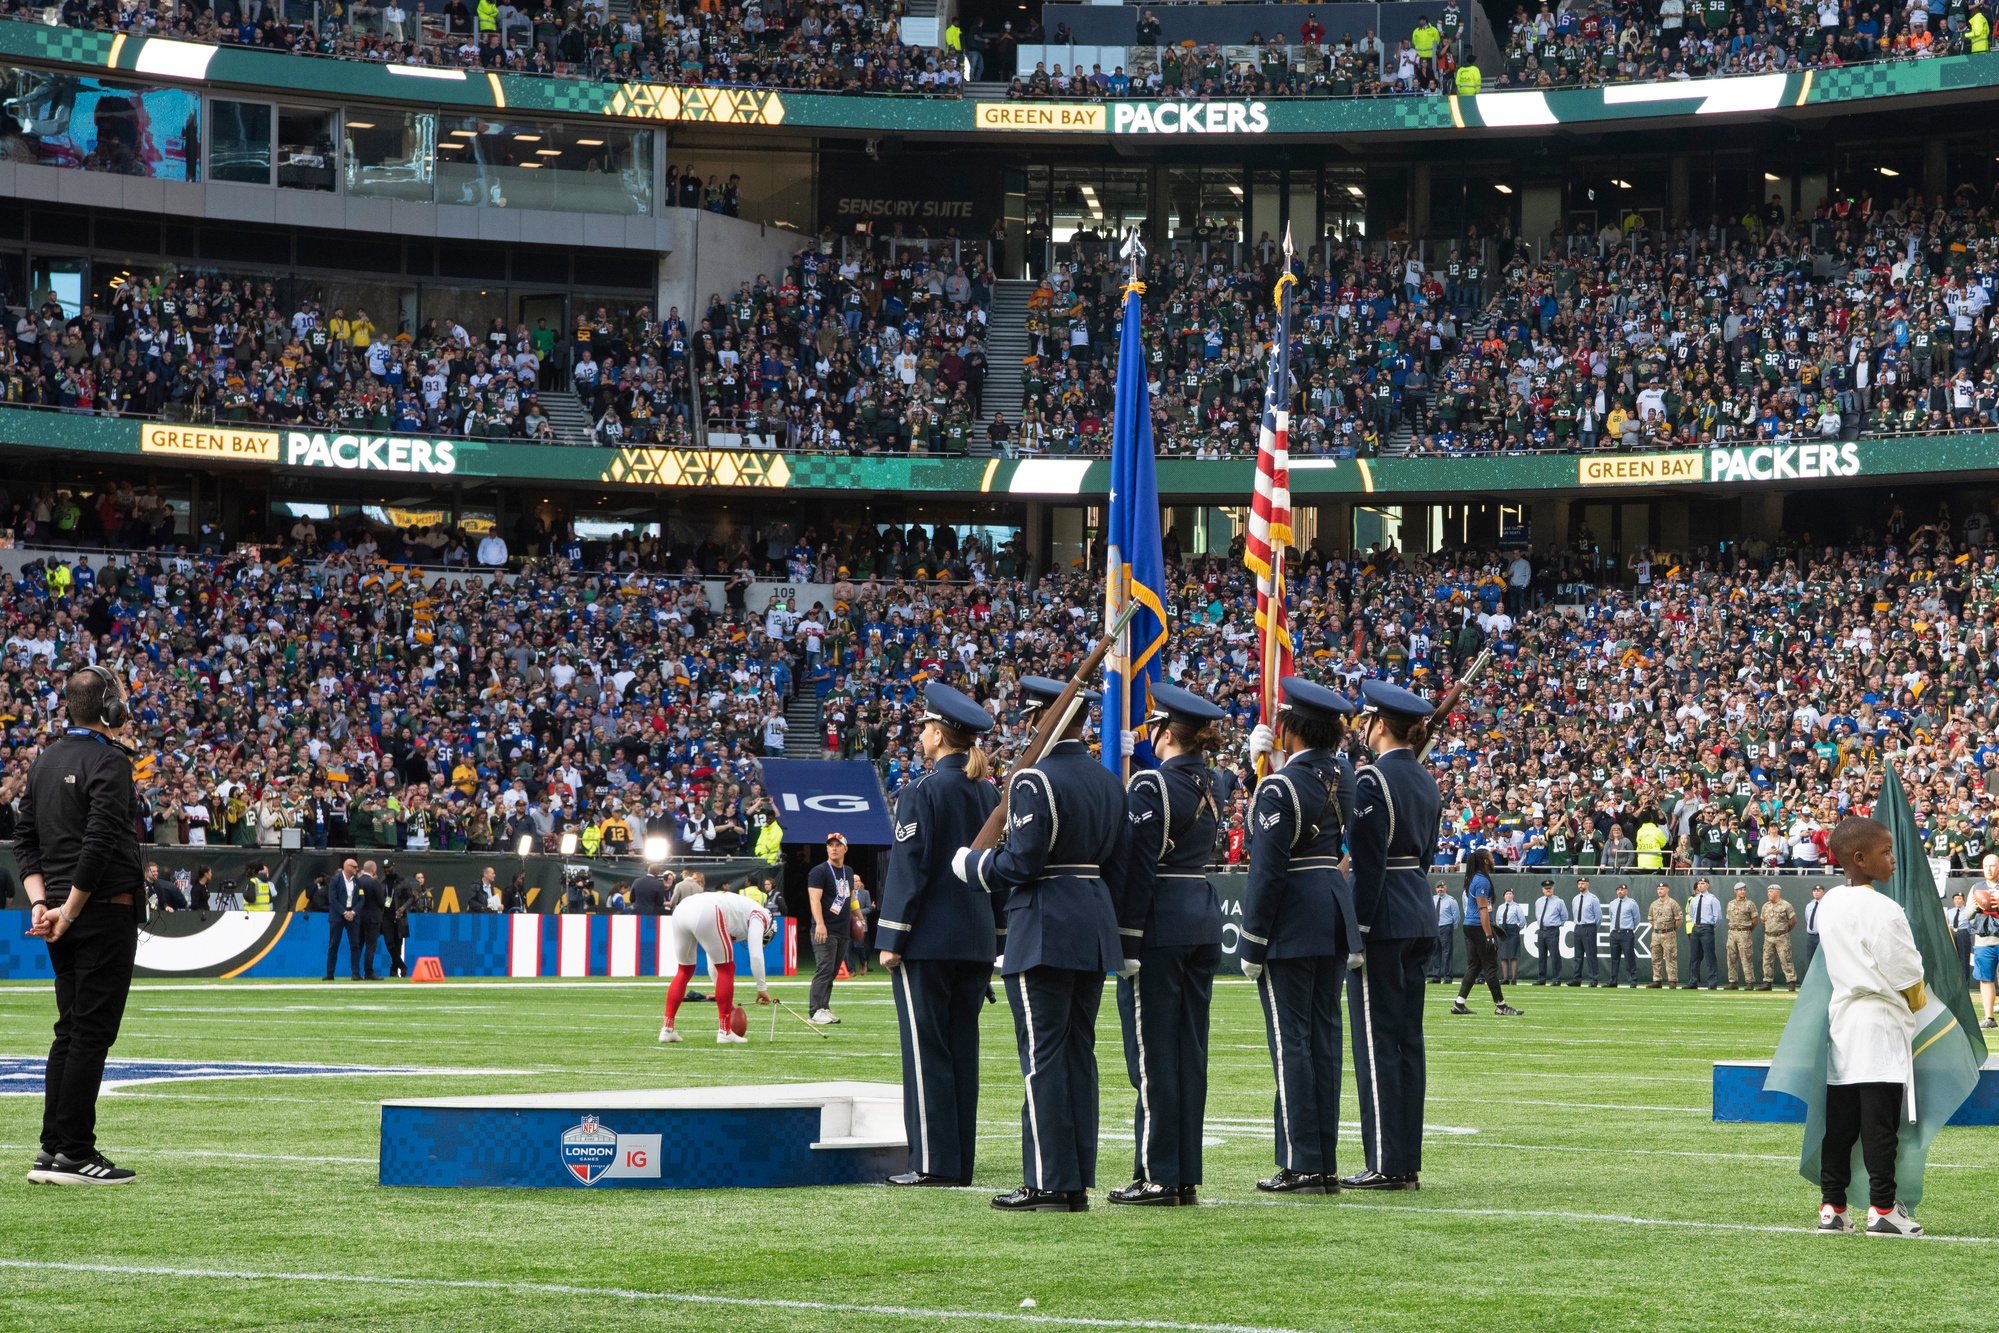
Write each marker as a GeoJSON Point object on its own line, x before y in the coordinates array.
{"type": "Point", "coordinates": [1274, 632]}
{"type": "Point", "coordinates": [1117, 584]}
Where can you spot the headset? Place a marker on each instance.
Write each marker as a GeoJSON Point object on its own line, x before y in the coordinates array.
{"type": "Point", "coordinates": [114, 712]}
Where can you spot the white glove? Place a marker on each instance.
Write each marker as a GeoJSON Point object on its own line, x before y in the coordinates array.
{"type": "Point", "coordinates": [961, 864]}
{"type": "Point", "coordinates": [1127, 742]}
{"type": "Point", "coordinates": [1262, 742]}
{"type": "Point", "coordinates": [1129, 970]}
{"type": "Point", "coordinates": [1254, 971]}
{"type": "Point", "coordinates": [1356, 962]}
{"type": "Point", "coordinates": [999, 961]}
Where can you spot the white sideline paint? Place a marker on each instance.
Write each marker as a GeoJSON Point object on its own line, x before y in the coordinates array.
{"type": "Point", "coordinates": [628, 1294]}
{"type": "Point", "coordinates": [1621, 1219]}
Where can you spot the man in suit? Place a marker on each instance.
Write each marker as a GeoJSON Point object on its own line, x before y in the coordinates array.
{"type": "Point", "coordinates": [373, 908]}
{"type": "Point", "coordinates": [343, 910]}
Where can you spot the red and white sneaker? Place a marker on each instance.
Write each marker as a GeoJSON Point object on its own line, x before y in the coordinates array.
{"type": "Point", "coordinates": [1834, 1221]}
{"type": "Point", "coordinates": [1894, 1222]}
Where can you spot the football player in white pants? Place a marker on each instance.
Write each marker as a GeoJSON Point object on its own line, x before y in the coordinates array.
{"type": "Point", "coordinates": [715, 921]}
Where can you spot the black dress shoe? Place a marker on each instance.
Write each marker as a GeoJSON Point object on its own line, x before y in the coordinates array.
{"type": "Point", "coordinates": [1145, 1194]}
{"type": "Point", "coordinates": [1188, 1196]}
{"type": "Point", "coordinates": [1374, 1180]}
{"type": "Point", "coordinates": [1287, 1181]}
{"type": "Point", "coordinates": [924, 1178]}
{"type": "Point", "coordinates": [1027, 1199]}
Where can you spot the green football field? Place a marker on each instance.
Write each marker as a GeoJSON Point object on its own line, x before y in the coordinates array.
{"type": "Point", "coordinates": [1573, 1179]}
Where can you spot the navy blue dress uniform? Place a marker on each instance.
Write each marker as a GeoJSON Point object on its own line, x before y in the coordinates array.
{"type": "Point", "coordinates": [1065, 834]}
{"type": "Point", "coordinates": [1171, 921]}
{"type": "Point", "coordinates": [1298, 927]}
{"type": "Point", "coordinates": [944, 930]}
{"type": "Point", "coordinates": [1392, 833]}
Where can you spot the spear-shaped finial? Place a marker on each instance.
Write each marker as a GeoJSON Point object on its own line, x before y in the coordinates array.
{"type": "Point", "coordinates": [1134, 255]}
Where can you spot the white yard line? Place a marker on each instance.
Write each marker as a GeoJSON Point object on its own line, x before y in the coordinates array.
{"type": "Point", "coordinates": [626, 1294]}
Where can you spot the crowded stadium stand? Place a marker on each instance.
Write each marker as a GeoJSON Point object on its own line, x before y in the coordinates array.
{"type": "Point", "coordinates": [499, 429]}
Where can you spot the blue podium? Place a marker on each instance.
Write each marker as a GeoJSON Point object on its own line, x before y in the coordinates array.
{"type": "Point", "coordinates": [666, 1138]}
{"type": "Point", "coordinates": [1740, 1098]}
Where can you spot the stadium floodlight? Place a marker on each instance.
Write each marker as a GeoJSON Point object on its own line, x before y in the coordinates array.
{"type": "Point", "coordinates": [1771, 176]}
{"type": "Point", "coordinates": [1888, 171]}
{"type": "Point", "coordinates": [569, 843]}
{"type": "Point", "coordinates": [1504, 189]}
{"type": "Point", "coordinates": [658, 847]}
{"type": "Point", "coordinates": [526, 845]}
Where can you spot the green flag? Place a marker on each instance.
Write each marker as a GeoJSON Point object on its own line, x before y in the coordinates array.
{"type": "Point", "coordinates": [1948, 1047]}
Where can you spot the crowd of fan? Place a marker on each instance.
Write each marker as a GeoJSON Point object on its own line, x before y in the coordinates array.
{"type": "Point", "coordinates": [205, 348]}
{"type": "Point", "coordinates": [1694, 709]}
{"type": "Point", "coordinates": [1574, 44]}
{"type": "Point", "coordinates": [853, 46]}
{"type": "Point", "coordinates": [862, 353]}
{"type": "Point", "coordinates": [1869, 316]}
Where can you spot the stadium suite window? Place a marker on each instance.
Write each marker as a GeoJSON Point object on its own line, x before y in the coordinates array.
{"type": "Point", "coordinates": [390, 154]}
{"type": "Point", "coordinates": [567, 168]}
{"type": "Point", "coordinates": [308, 157]}
{"type": "Point", "coordinates": [239, 143]}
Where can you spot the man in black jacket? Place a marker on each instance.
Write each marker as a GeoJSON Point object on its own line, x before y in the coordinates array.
{"type": "Point", "coordinates": [78, 848]}
{"type": "Point", "coordinates": [374, 907]}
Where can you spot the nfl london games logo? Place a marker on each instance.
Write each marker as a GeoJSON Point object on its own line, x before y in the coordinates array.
{"type": "Point", "coordinates": [589, 1150]}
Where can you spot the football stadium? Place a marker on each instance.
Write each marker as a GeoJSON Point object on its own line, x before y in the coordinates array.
{"type": "Point", "coordinates": [1124, 595]}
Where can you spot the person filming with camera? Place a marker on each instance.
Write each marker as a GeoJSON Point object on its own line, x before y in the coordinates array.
{"type": "Point", "coordinates": [78, 849]}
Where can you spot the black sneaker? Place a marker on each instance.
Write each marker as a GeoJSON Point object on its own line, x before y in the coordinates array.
{"type": "Point", "coordinates": [93, 1170]}
{"type": "Point", "coordinates": [1508, 1011]}
{"type": "Point", "coordinates": [1460, 1007]}
{"type": "Point", "coordinates": [38, 1173]}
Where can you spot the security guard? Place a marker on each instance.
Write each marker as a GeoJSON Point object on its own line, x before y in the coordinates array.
{"type": "Point", "coordinates": [1393, 832]}
{"type": "Point", "coordinates": [1066, 831]}
{"type": "Point", "coordinates": [1703, 914]}
{"type": "Point", "coordinates": [1299, 927]}
{"type": "Point", "coordinates": [936, 940]}
{"type": "Point", "coordinates": [1622, 914]}
{"type": "Point", "coordinates": [1167, 907]}
{"type": "Point", "coordinates": [1586, 910]}
{"type": "Point", "coordinates": [1550, 915]}
{"type": "Point", "coordinates": [1666, 921]}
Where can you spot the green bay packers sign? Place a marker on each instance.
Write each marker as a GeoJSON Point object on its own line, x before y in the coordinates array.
{"type": "Point", "coordinates": [371, 453]}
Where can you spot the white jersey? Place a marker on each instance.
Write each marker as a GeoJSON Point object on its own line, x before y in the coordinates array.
{"type": "Point", "coordinates": [714, 922]}
{"type": "Point", "coordinates": [1871, 959]}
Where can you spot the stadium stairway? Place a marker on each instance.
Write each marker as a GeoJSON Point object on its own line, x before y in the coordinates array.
{"type": "Point", "coordinates": [1399, 440]}
{"type": "Point", "coordinates": [986, 91]}
{"type": "Point", "coordinates": [805, 740]}
{"type": "Point", "coordinates": [566, 414]}
{"type": "Point", "coordinates": [1006, 349]}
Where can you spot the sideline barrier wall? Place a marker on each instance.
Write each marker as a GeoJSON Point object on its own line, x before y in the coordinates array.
{"type": "Point", "coordinates": [292, 946]}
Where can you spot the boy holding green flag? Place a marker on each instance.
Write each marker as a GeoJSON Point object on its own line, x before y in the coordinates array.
{"type": "Point", "coordinates": [1877, 991]}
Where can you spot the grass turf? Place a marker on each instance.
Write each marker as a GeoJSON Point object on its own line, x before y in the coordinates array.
{"type": "Point", "coordinates": [1551, 1137]}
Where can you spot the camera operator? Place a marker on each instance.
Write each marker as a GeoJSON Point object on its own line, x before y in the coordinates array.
{"type": "Point", "coordinates": [78, 849]}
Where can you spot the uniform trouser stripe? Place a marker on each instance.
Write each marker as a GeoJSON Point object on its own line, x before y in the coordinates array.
{"type": "Point", "coordinates": [1371, 1075]}
{"type": "Point", "coordinates": [915, 1057]}
{"type": "Point", "coordinates": [1055, 1016]}
{"type": "Point", "coordinates": [1167, 1005]}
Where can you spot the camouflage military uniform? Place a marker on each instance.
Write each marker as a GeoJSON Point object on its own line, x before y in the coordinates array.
{"type": "Point", "coordinates": [1742, 918]}
{"type": "Point", "coordinates": [1666, 921]}
{"type": "Point", "coordinates": [1779, 919]}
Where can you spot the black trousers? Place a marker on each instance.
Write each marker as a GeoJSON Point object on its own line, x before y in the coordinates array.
{"type": "Point", "coordinates": [1440, 961]}
{"type": "Point", "coordinates": [1164, 1014]}
{"type": "Point", "coordinates": [337, 929]}
{"type": "Point", "coordinates": [1055, 1027]}
{"type": "Point", "coordinates": [827, 957]}
{"type": "Point", "coordinates": [1385, 1003]}
{"type": "Point", "coordinates": [1869, 1114]}
{"type": "Point", "coordinates": [1550, 940]}
{"type": "Point", "coordinates": [1301, 1022]}
{"type": "Point", "coordinates": [937, 1004]}
{"type": "Point", "coordinates": [1703, 942]}
{"type": "Point", "coordinates": [395, 932]}
{"type": "Point", "coordinates": [1961, 938]}
{"type": "Point", "coordinates": [1481, 964]}
{"type": "Point", "coordinates": [93, 967]}
{"type": "Point", "coordinates": [1585, 938]}
{"type": "Point", "coordinates": [1624, 947]}
{"type": "Point", "coordinates": [371, 935]}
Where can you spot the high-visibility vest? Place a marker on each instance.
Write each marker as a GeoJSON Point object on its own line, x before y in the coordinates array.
{"type": "Point", "coordinates": [256, 895]}
{"type": "Point", "coordinates": [770, 842]}
{"type": "Point", "coordinates": [1470, 81]}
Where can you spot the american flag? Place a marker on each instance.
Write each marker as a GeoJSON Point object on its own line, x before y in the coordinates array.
{"type": "Point", "coordinates": [1270, 509]}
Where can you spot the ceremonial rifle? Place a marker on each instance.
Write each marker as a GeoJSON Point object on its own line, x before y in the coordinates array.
{"type": "Point", "coordinates": [1055, 720]}
{"type": "Point", "coordinates": [1443, 712]}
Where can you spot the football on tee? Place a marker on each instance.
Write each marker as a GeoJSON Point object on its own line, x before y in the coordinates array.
{"type": "Point", "coordinates": [739, 1022]}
